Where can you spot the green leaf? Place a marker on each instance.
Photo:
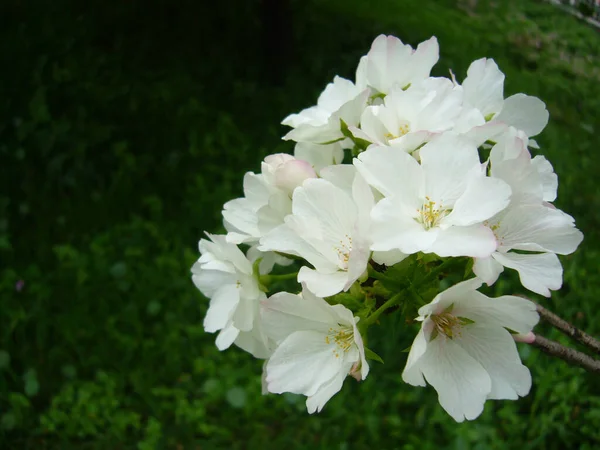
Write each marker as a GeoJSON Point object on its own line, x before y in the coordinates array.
{"type": "Point", "coordinates": [4, 359]}
{"type": "Point", "coordinates": [32, 387]}
{"type": "Point", "coordinates": [469, 268]}
{"type": "Point", "coordinates": [370, 354]}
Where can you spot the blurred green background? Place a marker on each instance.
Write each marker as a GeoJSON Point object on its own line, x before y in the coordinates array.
{"type": "Point", "coordinates": [125, 126]}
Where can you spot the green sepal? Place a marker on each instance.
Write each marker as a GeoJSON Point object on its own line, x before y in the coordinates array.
{"type": "Point", "coordinates": [465, 321]}
{"type": "Point", "coordinates": [380, 95]}
{"type": "Point", "coordinates": [256, 272]}
{"type": "Point", "coordinates": [434, 334]}
{"type": "Point", "coordinates": [332, 141]}
{"type": "Point", "coordinates": [448, 309]}
{"type": "Point", "coordinates": [370, 354]}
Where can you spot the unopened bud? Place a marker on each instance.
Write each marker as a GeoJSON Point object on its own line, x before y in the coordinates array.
{"type": "Point", "coordinates": [528, 338]}
{"type": "Point", "coordinates": [292, 174]}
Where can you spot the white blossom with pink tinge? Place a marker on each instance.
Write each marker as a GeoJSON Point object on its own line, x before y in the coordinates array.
{"type": "Point", "coordinates": [465, 351]}
{"type": "Point", "coordinates": [317, 347]}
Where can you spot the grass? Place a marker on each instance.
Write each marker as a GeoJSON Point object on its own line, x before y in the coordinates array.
{"type": "Point", "coordinates": [123, 130]}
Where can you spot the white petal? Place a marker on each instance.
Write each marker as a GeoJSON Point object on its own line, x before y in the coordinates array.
{"type": "Point", "coordinates": [394, 229]}
{"type": "Point", "coordinates": [391, 172]}
{"type": "Point", "coordinates": [331, 205]}
{"type": "Point", "coordinates": [508, 311]}
{"type": "Point", "coordinates": [312, 116]}
{"type": "Point", "coordinates": [302, 363]}
{"type": "Point", "coordinates": [285, 240]}
{"type": "Point", "coordinates": [461, 382]}
{"type": "Point", "coordinates": [495, 349]}
{"type": "Point", "coordinates": [209, 281]}
{"type": "Point", "coordinates": [316, 402]}
{"type": "Point", "coordinates": [538, 273]}
{"type": "Point", "coordinates": [524, 113]}
{"type": "Point", "coordinates": [341, 175]}
{"type": "Point", "coordinates": [538, 228]}
{"type": "Point", "coordinates": [322, 134]}
{"type": "Point", "coordinates": [390, 62]}
{"type": "Point", "coordinates": [222, 307]}
{"type": "Point", "coordinates": [350, 112]}
{"type": "Point", "coordinates": [389, 258]}
{"type": "Point", "coordinates": [273, 214]}
{"type": "Point", "coordinates": [412, 373]}
{"type": "Point", "coordinates": [323, 284]}
{"type": "Point", "coordinates": [479, 134]}
{"type": "Point", "coordinates": [476, 240]}
{"type": "Point", "coordinates": [548, 177]}
{"type": "Point", "coordinates": [484, 86]}
{"type": "Point", "coordinates": [256, 189]}
{"type": "Point", "coordinates": [337, 93]}
{"type": "Point", "coordinates": [240, 219]}
{"type": "Point", "coordinates": [231, 252]}
{"type": "Point", "coordinates": [372, 129]}
{"type": "Point", "coordinates": [255, 342]}
{"type": "Point", "coordinates": [319, 156]}
{"type": "Point", "coordinates": [448, 163]}
{"type": "Point", "coordinates": [226, 337]}
{"type": "Point", "coordinates": [285, 313]}
{"type": "Point", "coordinates": [488, 269]}
{"type": "Point", "coordinates": [483, 198]}
{"type": "Point", "coordinates": [246, 311]}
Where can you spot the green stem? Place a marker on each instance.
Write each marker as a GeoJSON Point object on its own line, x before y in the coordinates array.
{"type": "Point", "coordinates": [439, 269]}
{"type": "Point", "coordinates": [379, 276]}
{"type": "Point", "coordinates": [393, 301]}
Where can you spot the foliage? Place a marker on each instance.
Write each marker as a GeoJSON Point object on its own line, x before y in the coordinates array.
{"type": "Point", "coordinates": [124, 129]}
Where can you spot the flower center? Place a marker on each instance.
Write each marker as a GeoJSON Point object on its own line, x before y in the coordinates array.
{"type": "Point", "coordinates": [447, 324]}
{"type": "Point", "coordinates": [402, 130]}
{"type": "Point", "coordinates": [343, 250]}
{"type": "Point", "coordinates": [431, 213]}
{"type": "Point", "coordinates": [342, 337]}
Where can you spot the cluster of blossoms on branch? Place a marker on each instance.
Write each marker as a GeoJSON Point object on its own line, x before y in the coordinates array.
{"type": "Point", "coordinates": [398, 180]}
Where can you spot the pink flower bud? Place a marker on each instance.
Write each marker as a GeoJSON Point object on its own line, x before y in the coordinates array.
{"type": "Point", "coordinates": [292, 174]}
{"type": "Point", "coordinates": [273, 162]}
{"type": "Point", "coordinates": [355, 371]}
{"type": "Point", "coordinates": [528, 338]}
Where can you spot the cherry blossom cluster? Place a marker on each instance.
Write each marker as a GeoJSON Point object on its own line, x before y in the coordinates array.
{"type": "Point", "coordinates": [399, 180]}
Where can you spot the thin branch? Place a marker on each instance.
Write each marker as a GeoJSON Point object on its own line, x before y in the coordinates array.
{"type": "Point", "coordinates": [569, 355]}
{"type": "Point", "coordinates": [568, 329]}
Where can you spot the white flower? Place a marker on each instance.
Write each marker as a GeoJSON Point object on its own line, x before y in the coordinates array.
{"type": "Point", "coordinates": [267, 198]}
{"type": "Point", "coordinates": [318, 345]}
{"type": "Point", "coordinates": [437, 206]}
{"type": "Point", "coordinates": [529, 223]}
{"type": "Point", "coordinates": [532, 180]}
{"type": "Point", "coordinates": [465, 351]}
{"type": "Point", "coordinates": [328, 228]}
{"type": "Point", "coordinates": [391, 63]}
{"type": "Point", "coordinates": [484, 89]}
{"type": "Point", "coordinates": [533, 228]}
{"type": "Point", "coordinates": [410, 117]}
{"type": "Point", "coordinates": [341, 100]}
{"type": "Point", "coordinates": [225, 275]}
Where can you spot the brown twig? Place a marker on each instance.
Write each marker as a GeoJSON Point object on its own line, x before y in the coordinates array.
{"type": "Point", "coordinates": [567, 354]}
{"type": "Point", "coordinates": [568, 329]}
